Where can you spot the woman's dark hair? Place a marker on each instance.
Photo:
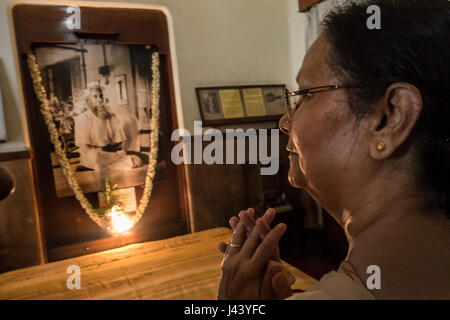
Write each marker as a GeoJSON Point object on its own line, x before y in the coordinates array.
{"type": "Point", "coordinates": [413, 46]}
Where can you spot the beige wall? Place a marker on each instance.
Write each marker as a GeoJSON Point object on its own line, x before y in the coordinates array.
{"type": "Point", "coordinates": [10, 87]}
{"type": "Point", "coordinates": [296, 40]}
{"type": "Point", "coordinates": [218, 42]}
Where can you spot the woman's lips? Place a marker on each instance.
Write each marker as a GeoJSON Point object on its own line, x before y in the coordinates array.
{"type": "Point", "coordinates": [291, 149]}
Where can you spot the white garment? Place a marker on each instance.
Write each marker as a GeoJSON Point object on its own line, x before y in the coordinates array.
{"type": "Point", "coordinates": [94, 131]}
{"type": "Point", "coordinates": [130, 126]}
{"type": "Point", "coordinates": [337, 285]}
{"type": "Point", "coordinates": [91, 134]}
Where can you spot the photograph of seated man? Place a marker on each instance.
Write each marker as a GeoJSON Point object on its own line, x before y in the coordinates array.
{"type": "Point", "coordinates": [105, 141]}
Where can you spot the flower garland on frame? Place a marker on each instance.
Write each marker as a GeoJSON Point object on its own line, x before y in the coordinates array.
{"type": "Point", "coordinates": [114, 220]}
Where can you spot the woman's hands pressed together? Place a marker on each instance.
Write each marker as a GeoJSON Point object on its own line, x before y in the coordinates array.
{"type": "Point", "coordinates": [252, 268]}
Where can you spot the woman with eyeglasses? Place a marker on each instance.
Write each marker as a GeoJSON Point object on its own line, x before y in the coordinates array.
{"type": "Point", "coordinates": [369, 139]}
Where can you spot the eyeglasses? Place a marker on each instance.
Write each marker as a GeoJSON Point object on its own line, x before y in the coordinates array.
{"type": "Point", "coordinates": [293, 99]}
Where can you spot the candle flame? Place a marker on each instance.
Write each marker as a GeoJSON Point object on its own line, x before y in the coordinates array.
{"type": "Point", "coordinates": [120, 221]}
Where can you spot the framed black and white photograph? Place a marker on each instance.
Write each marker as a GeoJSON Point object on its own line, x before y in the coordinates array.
{"type": "Point", "coordinates": [241, 104]}
{"type": "Point", "coordinates": [110, 63]}
{"type": "Point", "coordinates": [103, 120]}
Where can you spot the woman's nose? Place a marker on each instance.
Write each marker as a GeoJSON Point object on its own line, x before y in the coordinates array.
{"type": "Point", "coordinates": [284, 124]}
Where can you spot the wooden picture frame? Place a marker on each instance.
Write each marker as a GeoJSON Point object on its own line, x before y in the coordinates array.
{"type": "Point", "coordinates": [305, 5]}
{"type": "Point", "coordinates": [241, 104]}
{"type": "Point", "coordinates": [67, 229]}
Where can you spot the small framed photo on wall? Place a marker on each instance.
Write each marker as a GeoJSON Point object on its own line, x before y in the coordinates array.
{"type": "Point", "coordinates": [241, 104]}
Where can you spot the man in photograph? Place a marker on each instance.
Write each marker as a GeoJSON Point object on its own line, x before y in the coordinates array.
{"type": "Point", "coordinates": [211, 104]}
{"type": "Point", "coordinates": [101, 136]}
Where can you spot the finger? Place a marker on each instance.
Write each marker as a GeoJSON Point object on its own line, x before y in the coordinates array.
{"type": "Point", "coordinates": [274, 266]}
{"type": "Point", "coordinates": [283, 281]}
{"type": "Point", "coordinates": [281, 286]}
{"type": "Point", "coordinates": [253, 240]}
{"type": "Point", "coordinates": [247, 220]}
{"type": "Point", "coordinates": [233, 222]}
{"type": "Point", "coordinates": [237, 239]}
{"type": "Point", "coordinates": [222, 246]}
{"type": "Point", "coordinates": [276, 255]}
{"type": "Point", "coordinates": [268, 217]}
{"type": "Point", "coordinates": [264, 227]}
{"type": "Point", "coordinates": [290, 278]}
{"type": "Point", "coordinates": [267, 290]}
{"type": "Point", "coordinates": [268, 246]}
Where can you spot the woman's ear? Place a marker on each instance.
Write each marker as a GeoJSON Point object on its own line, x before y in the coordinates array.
{"type": "Point", "coordinates": [397, 114]}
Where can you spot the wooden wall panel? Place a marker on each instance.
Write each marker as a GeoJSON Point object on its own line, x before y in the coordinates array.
{"type": "Point", "coordinates": [218, 193]}
{"type": "Point", "coordinates": [20, 243]}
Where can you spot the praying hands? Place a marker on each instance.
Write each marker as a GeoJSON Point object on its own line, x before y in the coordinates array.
{"type": "Point", "coordinates": [252, 267]}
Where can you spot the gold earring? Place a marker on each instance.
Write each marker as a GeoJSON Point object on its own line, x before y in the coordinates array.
{"type": "Point", "coordinates": [381, 147]}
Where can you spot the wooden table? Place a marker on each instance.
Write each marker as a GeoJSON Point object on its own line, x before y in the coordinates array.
{"type": "Point", "coordinates": [183, 267]}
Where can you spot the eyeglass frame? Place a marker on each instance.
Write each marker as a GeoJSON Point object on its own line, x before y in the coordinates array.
{"type": "Point", "coordinates": [305, 92]}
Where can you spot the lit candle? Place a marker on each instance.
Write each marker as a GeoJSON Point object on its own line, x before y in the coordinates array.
{"type": "Point", "coordinates": [120, 221]}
